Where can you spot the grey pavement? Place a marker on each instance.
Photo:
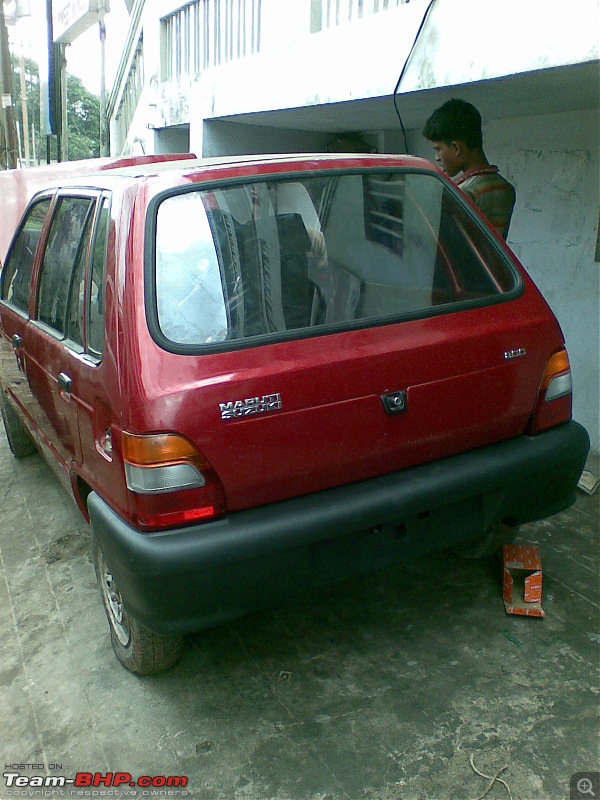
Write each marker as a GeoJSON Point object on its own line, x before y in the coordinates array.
{"type": "Point", "coordinates": [396, 686]}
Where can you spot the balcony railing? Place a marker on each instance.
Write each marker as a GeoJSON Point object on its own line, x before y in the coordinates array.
{"type": "Point", "coordinates": [208, 33]}
{"type": "Point", "coordinates": [331, 13]}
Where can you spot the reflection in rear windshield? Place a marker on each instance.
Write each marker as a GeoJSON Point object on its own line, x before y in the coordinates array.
{"type": "Point", "coordinates": [290, 255]}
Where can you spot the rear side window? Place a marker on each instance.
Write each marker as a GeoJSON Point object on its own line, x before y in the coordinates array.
{"type": "Point", "coordinates": [97, 279]}
{"type": "Point", "coordinates": [16, 276]}
{"type": "Point", "coordinates": [318, 253]}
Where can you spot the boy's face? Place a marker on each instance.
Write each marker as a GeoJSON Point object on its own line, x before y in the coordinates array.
{"type": "Point", "coordinates": [448, 157]}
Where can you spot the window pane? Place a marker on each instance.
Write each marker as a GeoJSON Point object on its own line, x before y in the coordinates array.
{"type": "Point", "coordinates": [191, 304]}
{"type": "Point", "coordinates": [77, 293]}
{"type": "Point", "coordinates": [60, 257]}
{"type": "Point", "coordinates": [95, 330]}
{"type": "Point", "coordinates": [269, 257]}
{"type": "Point", "coordinates": [16, 278]}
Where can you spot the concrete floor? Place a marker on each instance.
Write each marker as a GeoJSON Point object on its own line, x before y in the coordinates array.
{"type": "Point", "coordinates": [379, 689]}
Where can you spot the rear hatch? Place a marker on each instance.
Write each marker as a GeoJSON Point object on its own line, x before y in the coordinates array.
{"type": "Point", "coordinates": [323, 328]}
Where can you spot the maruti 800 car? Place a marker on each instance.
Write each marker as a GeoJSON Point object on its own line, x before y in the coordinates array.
{"type": "Point", "coordinates": [258, 375]}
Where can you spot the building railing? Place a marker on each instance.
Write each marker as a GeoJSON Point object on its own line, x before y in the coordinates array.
{"type": "Point", "coordinates": [133, 88]}
{"type": "Point", "coordinates": [130, 47]}
{"type": "Point", "coordinates": [331, 13]}
{"type": "Point", "coordinates": [208, 33]}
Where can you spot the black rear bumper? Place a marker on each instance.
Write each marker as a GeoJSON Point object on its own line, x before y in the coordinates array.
{"type": "Point", "coordinates": [202, 575]}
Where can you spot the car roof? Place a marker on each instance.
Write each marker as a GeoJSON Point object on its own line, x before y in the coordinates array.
{"type": "Point", "coordinates": [318, 160]}
{"type": "Point", "coordinates": [159, 176]}
{"type": "Point", "coordinates": [244, 165]}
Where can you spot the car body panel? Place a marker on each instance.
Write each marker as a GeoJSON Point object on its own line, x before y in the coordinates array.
{"type": "Point", "coordinates": [459, 394]}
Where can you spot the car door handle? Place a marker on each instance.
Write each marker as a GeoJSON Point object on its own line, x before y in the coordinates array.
{"type": "Point", "coordinates": [16, 341]}
{"type": "Point", "coordinates": [64, 383]}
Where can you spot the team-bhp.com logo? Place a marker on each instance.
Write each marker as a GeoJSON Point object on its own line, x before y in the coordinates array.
{"type": "Point", "coordinates": [91, 780]}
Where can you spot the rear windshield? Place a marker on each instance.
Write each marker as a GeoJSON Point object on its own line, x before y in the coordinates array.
{"type": "Point", "coordinates": [315, 254]}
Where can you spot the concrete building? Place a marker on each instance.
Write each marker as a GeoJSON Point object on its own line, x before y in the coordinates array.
{"type": "Point", "coordinates": [247, 76]}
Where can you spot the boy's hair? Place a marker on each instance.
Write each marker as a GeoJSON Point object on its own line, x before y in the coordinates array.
{"type": "Point", "coordinates": [456, 120]}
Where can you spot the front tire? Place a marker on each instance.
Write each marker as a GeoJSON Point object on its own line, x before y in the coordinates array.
{"type": "Point", "coordinates": [139, 649]}
{"type": "Point", "coordinates": [20, 442]}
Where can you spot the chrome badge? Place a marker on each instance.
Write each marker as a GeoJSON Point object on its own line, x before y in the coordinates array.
{"type": "Point", "coordinates": [510, 355]}
{"type": "Point", "coordinates": [235, 409]}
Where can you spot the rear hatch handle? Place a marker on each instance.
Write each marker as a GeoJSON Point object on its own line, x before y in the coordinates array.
{"type": "Point", "coordinates": [394, 403]}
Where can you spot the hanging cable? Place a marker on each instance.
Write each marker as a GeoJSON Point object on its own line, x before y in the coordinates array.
{"type": "Point", "coordinates": [403, 70]}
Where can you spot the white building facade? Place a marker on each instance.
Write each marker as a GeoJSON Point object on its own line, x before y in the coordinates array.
{"type": "Point", "coordinates": [248, 76]}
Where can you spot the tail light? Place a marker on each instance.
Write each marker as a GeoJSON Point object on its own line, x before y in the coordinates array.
{"type": "Point", "coordinates": [554, 401]}
{"type": "Point", "coordinates": [170, 482]}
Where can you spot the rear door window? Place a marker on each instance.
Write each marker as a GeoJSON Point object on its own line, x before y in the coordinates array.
{"type": "Point", "coordinates": [316, 254]}
{"type": "Point", "coordinates": [71, 282]}
{"type": "Point", "coordinates": [62, 270]}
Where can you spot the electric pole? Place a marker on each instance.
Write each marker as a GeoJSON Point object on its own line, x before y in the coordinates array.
{"type": "Point", "coordinates": [104, 145]}
{"type": "Point", "coordinates": [9, 159]}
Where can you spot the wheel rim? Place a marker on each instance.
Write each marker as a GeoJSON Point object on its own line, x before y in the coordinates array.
{"type": "Point", "coordinates": [113, 602]}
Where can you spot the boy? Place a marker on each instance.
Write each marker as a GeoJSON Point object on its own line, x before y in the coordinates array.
{"type": "Point", "coordinates": [455, 132]}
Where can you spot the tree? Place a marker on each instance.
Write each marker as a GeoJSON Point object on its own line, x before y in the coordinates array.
{"type": "Point", "coordinates": [83, 120]}
{"type": "Point", "coordinates": [83, 114]}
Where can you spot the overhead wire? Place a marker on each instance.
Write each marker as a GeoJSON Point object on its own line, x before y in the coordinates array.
{"type": "Point", "coordinates": [403, 70]}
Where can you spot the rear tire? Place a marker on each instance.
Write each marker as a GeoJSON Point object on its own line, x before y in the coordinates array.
{"type": "Point", "coordinates": [139, 649]}
{"type": "Point", "coordinates": [20, 442]}
{"type": "Point", "coordinates": [498, 535]}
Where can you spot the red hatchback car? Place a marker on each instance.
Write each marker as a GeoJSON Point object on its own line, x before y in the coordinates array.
{"type": "Point", "coordinates": [257, 375]}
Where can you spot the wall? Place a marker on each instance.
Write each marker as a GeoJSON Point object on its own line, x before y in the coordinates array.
{"type": "Point", "coordinates": [355, 60]}
{"type": "Point", "coordinates": [216, 138]}
{"type": "Point", "coordinates": [361, 59]}
{"type": "Point", "coordinates": [296, 68]}
{"type": "Point", "coordinates": [172, 140]}
{"type": "Point", "coordinates": [553, 162]}
{"type": "Point", "coordinates": [460, 45]}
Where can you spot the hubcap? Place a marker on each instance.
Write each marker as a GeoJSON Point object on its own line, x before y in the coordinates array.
{"type": "Point", "coordinates": [113, 603]}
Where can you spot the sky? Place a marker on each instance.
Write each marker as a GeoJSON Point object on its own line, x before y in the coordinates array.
{"type": "Point", "coordinates": [83, 55]}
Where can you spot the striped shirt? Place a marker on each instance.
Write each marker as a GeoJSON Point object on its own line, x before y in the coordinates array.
{"type": "Point", "coordinates": [493, 195]}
